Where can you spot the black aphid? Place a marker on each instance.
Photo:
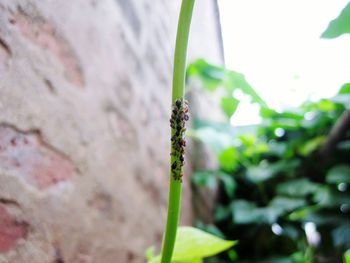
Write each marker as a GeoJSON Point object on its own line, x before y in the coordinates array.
{"type": "Point", "coordinates": [182, 158]}
{"type": "Point", "coordinates": [178, 103]}
{"type": "Point", "coordinates": [173, 166]}
{"type": "Point", "coordinates": [177, 123]}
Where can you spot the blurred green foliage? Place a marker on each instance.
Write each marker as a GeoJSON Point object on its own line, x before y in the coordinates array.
{"type": "Point", "coordinates": [285, 183]}
{"type": "Point", "coordinates": [340, 25]}
{"type": "Point", "coordinates": [273, 177]}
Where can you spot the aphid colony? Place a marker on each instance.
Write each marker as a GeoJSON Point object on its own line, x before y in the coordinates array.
{"type": "Point", "coordinates": [177, 122]}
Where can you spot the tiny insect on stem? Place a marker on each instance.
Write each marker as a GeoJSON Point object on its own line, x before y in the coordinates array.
{"type": "Point", "coordinates": [177, 123]}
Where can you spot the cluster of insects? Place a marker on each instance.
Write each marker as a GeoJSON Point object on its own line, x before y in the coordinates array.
{"type": "Point", "coordinates": [177, 122]}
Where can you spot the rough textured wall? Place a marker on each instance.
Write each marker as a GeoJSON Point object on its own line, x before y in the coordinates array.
{"type": "Point", "coordinates": [84, 99]}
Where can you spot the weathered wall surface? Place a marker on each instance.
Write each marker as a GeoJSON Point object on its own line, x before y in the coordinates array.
{"type": "Point", "coordinates": [84, 99]}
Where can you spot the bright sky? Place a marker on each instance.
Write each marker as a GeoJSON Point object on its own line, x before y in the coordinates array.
{"type": "Point", "coordinates": [276, 44]}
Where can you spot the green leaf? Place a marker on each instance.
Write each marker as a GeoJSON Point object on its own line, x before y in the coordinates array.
{"type": "Point", "coordinates": [340, 25]}
{"type": "Point", "coordinates": [211, 76]}
{"type": "Point", "coordinates": [266, 170]}
{"type": "Point", "coordinates": [260, 173]}
{"type": "Point", "coordinates": [229, 105]}
{"type": "Point", "coordinates": [286, 167]}
{"type": "Point", "coordinates": [222, 213]}
{"type": "Point", "coordinates": [345, 89]}
{"type": "Point", "coordinates": [229, 183]}
{"type": "Point", "coordinates": [290, 231]}
{"type": "Point", "coordinates": [293, 114]}
{"type": "Point", "coordinates": [286, 204]}
{"type": "Point", "coordinates": [205, 178]}
{"type": "Point", "coordinates": [300, 257]}
{"type": "Point", "coordinates": [328, 197]}
{"type": "Point", "coordinates": [326, 105]}
{"type": "Point", "coordinates": [232, 254]}
{"type": "Point", "coordinates": [245, 212]}
{"type": "Point", "coordinates": [339, 174]}
{"type": "Point", "coordinates": [214, 77]}
{"type": "Point", "coordinates": [251, 147]}
{"type": "Point", "coordinates": [228, 159]}
{"type": "Point", "coordinates": [297, 187]}
{"type": "Point", "coordinates": [277, 148]}
{"type": "Point", "coordinates": [317, 120]}
{"type": "Point", "coordinates": [310, 146]}
{"type": "Point", "coordinates": [224, 129]}
{"type": "Point", "coordinates": [192, 243]}
{"type": "Point", "coordinates": [247, 140]}
{"type": "Point", "coordinates": [347, 256]}
{"type": "Point", "coordinates": [237, 81]}
{"type": "Point", "coordinates": [302, 213]}
{"type": "Point", "coordinates": [194, 260]}
{"type": "Point", "coordinates": [341, 235]}
{"type": "Point", "coordinates": [217, 141]}
{"type": "Point", "coordinates": [209, 179]}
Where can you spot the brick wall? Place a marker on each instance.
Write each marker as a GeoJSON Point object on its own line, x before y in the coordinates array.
{"type": "Point", "coordinates": [84, 109]}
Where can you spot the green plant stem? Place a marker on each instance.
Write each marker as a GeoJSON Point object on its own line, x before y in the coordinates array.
{"type": "Point", "coordinates": [178, 91]}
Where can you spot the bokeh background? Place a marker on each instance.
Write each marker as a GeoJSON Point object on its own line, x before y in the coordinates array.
{"type": "Point", "coordinates": [84, 128]}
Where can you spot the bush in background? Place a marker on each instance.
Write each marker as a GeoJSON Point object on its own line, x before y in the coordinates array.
{"type": "Point", "coordinates": [285, 182]}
